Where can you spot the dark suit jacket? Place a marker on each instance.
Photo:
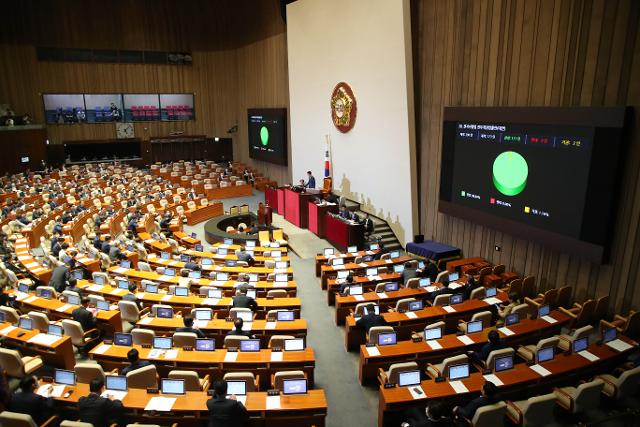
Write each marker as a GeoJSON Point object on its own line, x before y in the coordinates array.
{"type": "Point", "coordinates": [99, 410]}
{"type": "Point", "coordinates": [486, 349]}
{"type": "Point", "coordinates": [408, 273]}
{"type": "Point", "coordinates": [234, 331]}
{"type": "Point", "coordinates": [59, 278]}
{"type": "Point", "coordinates": [191, 265]}
{"type": "Point", "coordinates": [469, 410]}
{"type": "Point", "coordinates": [105, 248]}
{"type": "Point", "coordinates": [84, 317]}
{"type": "Point", "coordinates": [368, 321]}
{"type": "Point", "coordinates": [40, 408]}
{"type": "Point", "coordinates": [311, 183]}
{"type": "Point", "coordinates": [198, 332]}
{"type": "Point", "coordinates": [136, 365]}
{"type": "Point", "coordinates": [243, 301]}
{"type": "Point", "coordinates": [368, 225]}
{"type": "Point", "coordinates": [225, 412]}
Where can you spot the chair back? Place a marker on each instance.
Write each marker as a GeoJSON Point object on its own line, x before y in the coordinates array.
{"type": "Point", "coordinates": [628, 383]}
{"type": "Point", "coordinates": [142, 336]}
{"type": "Point", "coordinates": [585, 316]}
{"type": "Point", "coordinates": [529, 286]}
{"type": "Point", "coordinates": [538, 410]}
{"type": "Point", "coordinates": [278, 340]}
{"type": "Point", "coordinates": [233, 341]}
{"type": "Point", "coordinates": [485, 316]}
{"type": "Point", "coordinates": [395, 369]}
{"type": "Point", "coordinates": [10, 314]}
{"type": "Point", "coordinates": [439, 324]}
{"type": "Point", "coordinates": [69, 423]}
{"type": "Point", "coordinates": [453, 360]}
{"type": "Point", "coordinates": [263, 236]}
{"type": "Point", "coordinates": [490, 415]}
{"type": "Point", "coordinates": [286, 375]}
{"type": "Point", "coordinates": [522, 310]}
{"type": "Point", "coordinates": [184, 339]}
{"type": "Point", "coordinates": [191, 379]}
{"type": "Point", "coordinates": [277, 234]}
{"type": "Point", "coordinates": [40, 321]}
{"type": "Point", "coordinates": [516, 286]}
{"type": "Point", "coordinates": [48, 288]}
{"type": "Point", "coordinates": [233, 313]}
{"type": "Point", "coordinates": [442, 299]}
{"type": "Point", "coordinates": [478, 293]}
{"type": "Point", "coordinates": [15, 419]}
{"type": "Point", "coordinates": [144, 266]}
{"type": "Point", "coordinates": [587, 396]}
{"type": "Point", "coordinates": [247, 377]}
{"type": "Point", "coordinates": [442, 275]}
{"type": "Point", "coordinates": [145, 377]}
{"type": "Point", "coordinates": [129, 311]}
{"type": "Point", "coordinates": [73, 330]}
{"type": "Point", "coordinates": [632, 326]}
{"type": "Point", "coordinates": [498, 353]}
{"type": "Point", "coordinates": [277, 293]}
{"type": "Point", "coordinates": [95, 274]}
{"type": "Point", "coordinates": [499, 269]}
{"type": "Point", "coordinates": [85, 372]}
{"type": "Point", "coordinates": [403, 303]}
{"type": "Point", "coordinates": [584, 331]}
{"type": "Point", "coordinates": [155, 307]}
{"type": "Point", "coordinates": [413, 283]}
{"type": "Point", "coordinates": [11, 363]}
{"type": "Point", "coordinates": [359, 311]}
{"type": "Point", "coordinates": [602, 306]}
{"type": "Point", "coordinates": [377, 330]}
{"type": "Point", "coordinates": [272, 315]}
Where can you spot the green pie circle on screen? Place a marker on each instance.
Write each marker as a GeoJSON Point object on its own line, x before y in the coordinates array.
{"type": "Point", "coordinates": [510, 172]}
{"type": "Point", "coordinates": [264, 135]}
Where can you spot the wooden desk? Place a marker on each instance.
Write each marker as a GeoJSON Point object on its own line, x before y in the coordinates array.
{"type": "Point", "coordinates": [316, 217]}
{"type": "Point", "coordinates": [527, 331]}
{"type": "Point", "coordinates": [565, 370]}
{"type": "Point", "coordinates": [217, 260]}
{"type": "Point", "coordinates": [327, 271]}
{"type": "Point", "coordinates": [39, 272]}
{"type": "Point", "coordinates": [256, 250]}
{"type": "Point", "coordinates": [348, 257]}
{"type": "Point", "coordinates": [203, 213]}
{"type": "Point", "coordinates": [404, 325]}
{"type": "Point", "coordinates": [228, 192]}
{"type": "Point", "coordinates": [386, 300]}
{"type": "Point", "coordinates": [190, 409]}
{"type": "Point", "coordinates": [296, 207]}
{"type": "Point", "coordinates": [456, 264]}
{"type": "Point", "coordinates": [59, 354]}
{"type": "Point", "coordinates": [342, 234]}
{"type": "Point", "coordinates": [368, 285]}
{"type": "Point", "coordinates": [212, 362]}
{"type": "Point", "coordinates": [185, 239]}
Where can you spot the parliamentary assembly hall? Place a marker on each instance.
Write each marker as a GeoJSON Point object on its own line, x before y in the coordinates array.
{"type": "Point", "coordinates": [310, 213]}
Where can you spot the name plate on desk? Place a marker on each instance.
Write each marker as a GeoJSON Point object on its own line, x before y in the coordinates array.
{"type": "Point", "coordinates": [7, 330]}
{"type": "Point", "coordinates": [492, 300]}
{"type": "Point", "coordinates": [435, 345]}
{"type": "Point", "coordinates": [273, 402]}
{"type": "Point", "coordinates": [164, 404]}
{"type": "Point", "coordinates": [102, 349]}
{"type": "Point", "coordinates": [548, 319]}
{"type": "Point", "coordinates": [210, 301]}
{"type": "Point", "coordinates": [372, 351]}
{"type": "Point", "coordinates": [449, 309]}
{"type": "Point", "coordinates": [411, 315]}
{"type": "Point", "coordinates": [382, 295]}
{"type": "Point", "coordinates": [270, 325]}
{"type": "Point", "coordinates": [146, 320]}
{"type": "Point", "coordinates": [276, 356]}
{"type": "Point", "coordinates": [64, 308]}
{"type": "Point", "coordinates": [231, 356]}
{"type": "Point", "coordinates": [493, 379]}
{"type": "Point", "coordinates": [540, 370]}
{"type": "Point", "coordinates": [458, 387]}
{"type": "Point", "coordinates": [589, 356]}
{"type": "Point", "coordinates": [359, 297]}
{"type": "Point", "coordinates": [506, 331]}
{"type": "Point", "coordinates": [465, 340]}
{"type": "Point", "coordinates": [120, 270]}
{"type": "Point", "coordinates": [619, 345]}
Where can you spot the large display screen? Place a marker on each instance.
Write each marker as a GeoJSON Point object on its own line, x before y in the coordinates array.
{"type": "Point", "coordinates": [545, 174]}
{"type": "Point", "coordinates": [268, 135]}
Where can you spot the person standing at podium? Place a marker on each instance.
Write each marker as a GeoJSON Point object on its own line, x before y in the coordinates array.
{"type": "Point", "coordinates": [311, 181]}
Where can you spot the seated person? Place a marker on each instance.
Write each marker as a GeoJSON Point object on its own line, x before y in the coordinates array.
{"type": "Point", "coordinates": [346, 285]}
{"type": "Point", "coordinates": [97, 410]}
{"type": "Point", "coordinates": [433, 416]}
{"type": "Point", "coordinates": [470, 286]}
{"type": "Point", "coordinates": [131, 295]}
{"type": "Point", "coordinates": [237, 328]}
{"type": "Point", "coordinates": [188, 327]}
{"type": "Point", "coordinates": [83, 316]}
{"type": "Point", "coordinates": [246, 257]}
{"type": "Point", "coordinates": [27, 401]}
{"type": "Point", "coordinates": [223, 411]}
{"type": "Point", "coordinates": [514, 301]}
{"type": "Point", "coordinates": [487, 397]}
{"type": "Point", "coordinates": [370, 319]}
{"type": "Point", "coordinates": [192, 265]}
{"type": "Point", "coordinates": [134, 362]}
{"type": "Point", "coordinates": [494, 343]}
{"type": "Point", "coordinates": [408, 273]}
{"type": "Point", "coordinates": [244, 301]}
{"type": "Point", "coordinates": [72, 286]}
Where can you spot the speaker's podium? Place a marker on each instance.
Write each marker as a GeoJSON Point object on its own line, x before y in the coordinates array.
{"type": "Point", "coordinates": [343, 234]}
{"type": "Point", "coordinates": [316, 217]}
{"type": "Point", "coordinates": [296, 209]}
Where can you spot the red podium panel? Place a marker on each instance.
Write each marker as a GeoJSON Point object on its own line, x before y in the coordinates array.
{"type": "Point", "coordinates": [295, 207]}
{"type": "Point", "coordinates": [342, 234]}
{"type": "Point", "coordinates": [271, 197]}
{"type": "Point", "coordinates": [316, 217]}
{"type": "Point", "coordinates": [280, 206]}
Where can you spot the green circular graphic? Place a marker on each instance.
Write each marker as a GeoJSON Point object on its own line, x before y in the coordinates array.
{"type": "Point", "coordinates": [264, 135]}
{"type": "Point", "coordinates": [510, 172]}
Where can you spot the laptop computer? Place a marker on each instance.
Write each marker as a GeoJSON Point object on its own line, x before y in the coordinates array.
{"type": "Point", "coordinates": [163, 343]}
{"type": "Point", "coordinates": [387, 338]}
{"type": "Point", "coordinates": [432, 334]}
{"type": "Point", "coordinates": [123, 284]}
{"type": "Point", "coordinates": [73, 299]}
{"type": "Point", "coordinates": [125, 340]}
{"type": "Point", "coordinates": [295, 344]}
{"type": "Point", "coordinates": [328, 251]}
{"type": "Point", "coordinates": [512, 319]}
{"type": "Point", "coordinates": [352, 249]}
{"type": "Point", "coordinates": [181, 291]}
{"type": "Point", "coordinates": [54, 329]}
{"type": "Point", "coordinates": [544, 310]}
{"type": "Point", "coordinates": [169, 272]}
{"type": "Point", "coordinates": [374, 247]}
{"type": "Point", "coordinates": [164, 312]}
{"type": "Point", "coordinates": [250, 345]}
{"type": "Point", "coordinates": [416, 305]}
{"type": "Point", "coordinates": [490, 292]}
{"type": "Point", "coordinates": [222, 251]}
{"type": "Point", "coordinates": [373, 271]}
{"type": "Point", "coordinates": [206, 261]}
{"type": "Point", "coordinates": [125, 264]}
{"type": "Point", "coordinates": [151, 288]}
{"type": "Point", "coordinates": [44, 293]}
{"type": "Point", "coordinates": [214, 293]}
{"type": "Point", "coordinates": [503, 363]}
{"type": "Point", "coordinates": [409, 378]}
{"type": "Point", "coordinates": [456, 299]}
{"type": "Point", "coordinates": [424, 282]}
{"type": "Point", "coordinates": [103, 305]}
{"type": "Point", "coordinates": [165, 255]}
{"type": "Point", "coordinates": [285, 316]}
{"type": "Point", "coordinates": [202, 314]}
{"type": "Point", "coordinates": [199, 248]}
{"type": "Point", "coordinates": [237, 388]}
{"type": "Point", "coordinates": [195, 274]}
{"type": "Point", "coordinates": [294, 386]}
{"type": "Point", "coordinates": [171, 386]}
{"type": "Point", "coordinates": [25, 323]}
{"type": "Point", "coordinates": [457, 372]}
{"type": "Point", "coordinates": [282, 277]}
{"type": "Point", "coordinates": [398, 268]}
{"type": "Point", "coordinates": [474, 326]}
{"type": "Point", "coordinates": [545, 354]}
{"type": "Point", "coordinates": [222, 277]}
{"type": "Point", "coordinates": [228, 241]}
{"type": "Point", "coordinates": [246, 316]}
{"type": "Point", "coordinates": [394, 254]}
{"type": "Point", "coordinates": [250, 244]}
{"type": "Point", "coordinates": [116, 383]}
{"type": "Point", "coordinates": [205, 344]}
{"type": "Point", "coordinates": [581, 344]}
{"type": "Point", "coordinates": [61, 376]}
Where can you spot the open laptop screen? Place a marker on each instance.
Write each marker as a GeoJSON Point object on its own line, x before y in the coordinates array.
{"type": "Point", "coordinates": [64, 377]}
{"type": "Point", "coordinates": [409, 378]}
{"type": "Point", "coordinates": [205, 344]}
{"type": "Point", "coordinates": [503, 363]}
{"type": "Point", "coordinates": [388, 338]}
{"type": "Point", "coordinates": [459, 371]}
{"type": "Point", "coordinates": [238, 388]}
{"type": "Point", "coordinates": [171, 386]}
{"type": "Point", "coordinates": [123, 339]}
{"type": "Point", "coordinates": [432, 334]}
{"type": "Point", "coordinates": [295, 344]}
{"type": "Point", "coordinates": [297, 386]}
{"type": "Point", "coordinates": [116, 382]}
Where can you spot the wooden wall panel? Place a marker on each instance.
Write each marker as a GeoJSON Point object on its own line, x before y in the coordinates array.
{"type": "Point", "coordinates": [531, 53]}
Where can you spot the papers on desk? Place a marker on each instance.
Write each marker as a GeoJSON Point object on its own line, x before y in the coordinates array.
{"type": "Point", "coordinates": [280, 284]}
{"type": "Point", "coordinates": [246, 326]}
{"type": "Point", "coordinates": [548, 319]}
{"type": "Point", "coordinates": [64, 307]}
{"type": "Point", "coordinates": [336, 267]}
{"type": "Point", "coordinates": [382, 295]}
{"type": "Point", "coordinates": [455, 285]}
{"type": "Point", "coordinates": [56, 390]}
{"type": "Point", "coordinates": [30, 299]}
{"type": "Point", "coordinates": [145, 321]}
{"type": "Point", "coordinates": [200, 323]}
{"type": "Point", "coordinates": [117, 395]}
{"type": "Point", "coordinates": [7, 330]}
{"type": "Point", "coordinates": [163, 278]}
{"type": "Point", "coordinates": [492, 300]}
{"type": "Point", "coordinates": [184, 281]}
{"type": "Point", "coordinates": [171, 354]}
{"type": "Point", "coordinates": [21, 295]}
{"type": "Point", "coordinates": [155, 353]}
{"type": "Point", "coordinates": [140, 295]}
{"type": "Point", "coordinates": [431, 288]}
{"type": "Point", "coordinates": [210, 301]}
{"type": "Point", "coordinates": [276, 356]}
{"type": "Point", "coordinates": [116, 291]}
{"type": "Point", "coordinates": [589, 356]}
{"type": "Point", "coordinates": [149, 241]}
{"type": "Point", "coordinates": [120, 270]}
{"type": "Point", "coordinates": [273, 402]}
{"type": "Point", "coordinates": [617, 345]}
{"type": "Point", "coordinates": [388, 261]}
{"type": "Point", "coordinates": [371, 278]}
{"type": "Point", "coordinates": [44, 339]}
{"type": "Point", "coordinates": [164, 404]}
{"type": "Point", "coordinates": [23, 257]}
{"type": "Point", "coordinates": [358, 297]}
{"type": "Point", "coordinates": [493, 379]}
{"type": "Point", "coordinates": [102, 349]}
{"type": "Point", "coordinates": [449, 309]}
{"type": "Point", "coordinates": [166, 298]}
{"type": "Point", "coordinates": [464, 339]}
{"type": "Point", "coordinates": [270, 325]}
{"type": "Point", "coordinates": [372, 351]}
{"type": "Point", "coordinates": [32, 265]}
{"type": "Point", "coordinates": [231, 356]}
{"type": "Point", "coordinates": [434, 344]}
{"type": "Point", "coordinates": [506, 331]}
{"type": "Point", "coordinates": [242, 399]}
{"type": "Point", "coordinates": [174, 262]}
{"type": "Point", "coordinates": [411, 315]}
{"type": "Point", "coordinates": [279, 270]}
{"type": "Point", "coordinates": [540, 370]}
{"type": "Point", "coordinates": [417, 392]}
{"type": "Point", "coordinates": [363, 264]}
{"type": "Point", "coordinates": [458, 387]}
{"type": "Point", "coordinates": [95, 288]}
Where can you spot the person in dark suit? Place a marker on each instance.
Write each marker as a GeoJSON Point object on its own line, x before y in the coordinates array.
{"type": "Point", "coordinates": [188, 327]}
{"type": "Point", "coordinates": [26, 401]}
{"type": "Point", "coordinates": [72, 286]}
{"type": "Point", "coordinates": [347, 283]}
{"type": "Point", "coordinates": [246, 257]}
{"type": "Point", "coordinates": [106, 245]}
{"type": "Point", "coordinates": [97, 410]}
{"type": "Point", "coordinates": [370, 319]}
{"type": "Point", "coordinates": [470, 286]}
{"type": "Point", "coordinates": [344, 213]}
{"type": "Point", "coordinates": [237, 328]}
{"type": "Point", "coordinates": [97, 243]}
{"type": "Point", "coordinates": [494, 343]}
{"type": "Point", "coordinates": [192, 265]}
{"type": "Point", "coordinates": [134, 362]}
{"type": "Point", "coordinates": [353, 216]}
{"type": "Point", "coordinates": [56, 246]}
{"type": "Point", "coordinates": [408, 273]}
{"type": "Point", "coordinates": [368, 224]}
{"type": "Point", "coordinates": [432, 416]}
{"type": "Point", "coordinates": [59, 277]}
{"type": "Point", "coordinates": [243, 301]}
{"type": "Point", "coordinates": [84, 316]}
{"type": "Point", "coordinates": [311, 181]}
{"type": "Point", "coordinates": [131, 295]}
{"type": "Point", "coordinates": [225, 412]}
{"type": "Point", "coordinates": [488, 397]}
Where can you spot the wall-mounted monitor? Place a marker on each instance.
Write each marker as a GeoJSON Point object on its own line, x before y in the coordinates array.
{"type": "Point", "coordinates": [176, 106]}
{"type": "Point", "coordinates": [268, 135]}
{"type": "Point", "coordinates": [103, 108]}
{"type": "Point", "coordinates": [140, 107]}
{"type": "Point", "coordinates": [549, 175]}
{"type": "Point", "coordinates": [64, 108]}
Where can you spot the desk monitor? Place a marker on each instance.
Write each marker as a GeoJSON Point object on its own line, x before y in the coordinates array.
{"type": "Point", "coordinates": [409, 378]}
{"type": "Point", "coordinates": [131, 248]}
{"type": "Point", "coordinates": [214, 293]}
{"type": "Point", "coordinates": [544, 310]}
{"type": "Point", "coordinates": [343, 274]}
{"type": "Point", "coordinates": [352, 249]}
{"type": "Point", "coordinates": [203, 314]}
{"type": "Point", "coordinates": [123, 284]}
{"type": "Point", "coordinates": [185, 258]}
{"type": "Point", "coordinates": [246, 316]}
{"type": "Point", "coordinates": [355, 290]}
{"type": "Point", "coordinates": [456, 299]}
{"type": "Point", "coordinates": [394, 254]}
{"type": "Point", "coordinates": [609, 334]}
{"type": "Point", "coordinates": [503, 363]}
{"type": "Point", "coordinates": [391, 287]}
{"type": "Point", "coordinates": [199, 248]}
{"type": "Point", "coordinates": [387, 338]}
{"type": "Point", "coordinates": [25, 323]}
{"type": "Point", "coordinates": [152, 288]}
{"type": "Point", "coordinates": [61, 376]}
{"type": "Point", "coordinates": [432, 334]}
{"type": "Point", "coordinates": [66, 259]}
{"type": "Point", "coordinates": [580, 344]}
{"type": "Point", "coordinates": [398, 268]}
{"type": "Point", "coordinates": [207, 261]}
{"type": "Point", "coordinates": [194, 235]}
{"type": "Point", "coordinates": [53, 329]}
{"type": "Point", "coordinates": [44, 293]}
{"type": "Point", "coordinates": [222, 251]}
{"type": "Point", "coordinates": [230, 263]}
{"type": "Point", "coordinates": [98, 280]}
{"type": "Point", "coordinates": [282, 264]}
{"type": "Point", "coordinates": [253, 277]}
{"type": "Point", "coordinates": [123, 339]}
{"type": "Point", "coordinates": [164, 312]}
{"type": "Point", "coordinates": [285, 316]}
{"type": "Point", "coordinates": [251, 293]}
{"type": "Point", "coordinates": [282, 277]}
{"type": "Point", "coordinates": [297, 386]}
{"type": "Point", "coordinates": [181, 291]}
{"type": "Point", "coordinates": [545, 354]}
{"type": "Point", "coordinates": [328, 251]}
{"type": "Point", "coordinates": [73, 299]}
{"type": "Point", "coordinates": [421, 265]}
{"type": "Point", "coordinates": [512, 319]}
{"type": "Point", "coordinates": [295, 344]}
{"type": "Point", "coordinates": [250, 244]}
{"type": "Point", "coordinates": [424, 282]}
{"type": "Point", "coordinates": [205, 344]}
{"type": "Point", "coordinates": [169, 272]}
{"type": "Point", "coordinates": [376, 310]}
{"type": "Point", "coordinates": [103, 305]}
{"type": "Point", "coordinates": [163, 343]}
{"type": "Point", "coordinates": [165, 255]}
{"type": "Point", "coordinates": [373, 271]}
{"type": "Point", "coordinates": [195, 274]}
{"type": "Point", "coordinates": [460, 371]}
{"type": "Point", "coordinates": [222, 277]}
{"type": "Point", "coordinates": [250, 345]}
{"type": "Point", "coordinates": [125, 264]}
{"type": "Point", "coordinates": [237, 388]}
{"type": "Point", "coordinates": [116, 382]}
{"type": "Point", "coordinates": [228, 241]}
{"type": "Point", "coordinates": [367, 258]}
{"type": "Point", "coordinates": [474, 326]}
{"type": "Point", "coordinates": [171, 386]}
{"type": "Point", "coordinates": [78, 274]}
{"type": "Point", "coordinates": [416, 305]}
{"type": "Point", "coordinates": [24, 288]}
{"type": "Point", "coordinates": [374, 247]}
{"type": "Point", "coordinates": [276, 255]}
{"type": "Point", "coordinates": [490, 292]}
{"type": "Point", "coordinates": [454, 276]}
{"type": "Point", "coordinates": [337, 261]}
